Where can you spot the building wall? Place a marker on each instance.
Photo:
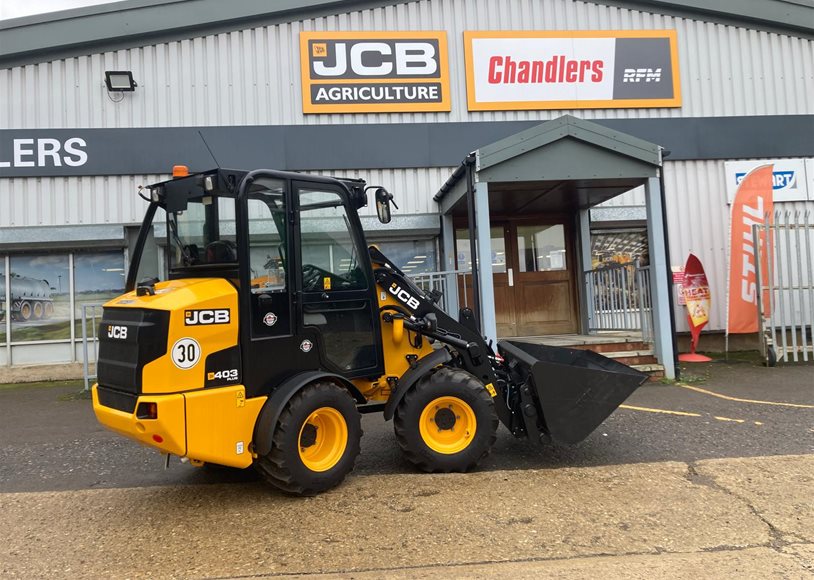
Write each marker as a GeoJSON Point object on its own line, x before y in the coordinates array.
{"type": "Point", "coordinates": [252, 77]}
{"type": "Point", "coordinates": [698, 222]}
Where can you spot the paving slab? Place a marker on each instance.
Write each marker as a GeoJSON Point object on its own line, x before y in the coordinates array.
{"type": "Point", "coordinates": [779, 489]}
{"type": "Point", "coordinates": [374, 522]}
{"type": "Point", "coordinates": [746, 563]}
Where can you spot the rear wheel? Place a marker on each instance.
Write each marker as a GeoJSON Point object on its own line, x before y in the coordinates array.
{"type": "Point", "coordinates": [446, 422]}
{"type": "Point", "coordinates": [37, 310]}
{"type": "Point", "coordinates": [316, 441]}
{"type": "Point", "coordinates": [25, 310]}
{"type": "Point", "coordinates": [49, 310]}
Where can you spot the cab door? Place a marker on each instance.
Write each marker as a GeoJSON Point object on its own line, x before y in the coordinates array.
{"type": "Point", "coordinates": [336, 290]}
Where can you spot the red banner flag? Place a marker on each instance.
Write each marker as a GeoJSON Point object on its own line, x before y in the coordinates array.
{"type": "Point", "coordinates": [697, 297]}
{"type": "Point", "coordinates": [752, 205]}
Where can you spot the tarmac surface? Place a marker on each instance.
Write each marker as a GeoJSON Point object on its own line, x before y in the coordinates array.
{"type": "Point", "coordinates": [713, 478]}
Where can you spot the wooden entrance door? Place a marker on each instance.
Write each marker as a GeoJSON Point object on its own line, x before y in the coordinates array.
{"type": "Point", "coordinates": [533, 265]}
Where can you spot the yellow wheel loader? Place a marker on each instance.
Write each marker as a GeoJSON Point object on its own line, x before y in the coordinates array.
{"type": "Point", "coordinates": [278, 326]}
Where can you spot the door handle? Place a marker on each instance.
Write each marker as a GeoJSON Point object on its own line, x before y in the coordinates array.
{"type": "Point", "coordinates": [324, 296]}
{"type": "Point", "coordinates": [511, 277]}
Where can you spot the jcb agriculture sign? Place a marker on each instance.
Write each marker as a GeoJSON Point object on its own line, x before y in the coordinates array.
{"type": "Point", "coordinates": [358, 72]}
{"type": "Point", "coordinates": [571, 70]}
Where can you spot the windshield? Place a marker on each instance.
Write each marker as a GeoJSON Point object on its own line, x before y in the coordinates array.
{"type": "Point", "coordinates": [203, 234]}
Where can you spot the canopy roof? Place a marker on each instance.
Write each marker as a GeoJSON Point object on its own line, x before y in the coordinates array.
{"type": "Point", "coordinates": [557, 166]}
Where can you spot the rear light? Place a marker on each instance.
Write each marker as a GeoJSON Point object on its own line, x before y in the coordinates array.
{"type": "Point", "coordinates": [147, 411]}
{"type": "Point", "coordinates": [158, 439]}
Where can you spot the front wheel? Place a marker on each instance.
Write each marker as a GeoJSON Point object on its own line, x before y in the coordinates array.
{"type": "Point", "coordinates": [446, 422]}
{"type": "Point", "coordinates": [25, 311]}
{"type": "Point", "coordinates": [316, 441]}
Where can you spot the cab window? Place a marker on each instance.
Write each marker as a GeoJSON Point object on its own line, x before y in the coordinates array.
{"type": "Point", "coordinates": [330, 261]}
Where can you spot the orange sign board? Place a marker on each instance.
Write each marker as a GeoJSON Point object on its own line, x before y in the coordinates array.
{"type": "Point", "coordinates": [374, 72]}
{"type": "Point", "coordinates": [571, 69]}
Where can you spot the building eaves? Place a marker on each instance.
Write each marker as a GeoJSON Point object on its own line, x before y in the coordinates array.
{"type": "Point", "coordinates": [131, 23]}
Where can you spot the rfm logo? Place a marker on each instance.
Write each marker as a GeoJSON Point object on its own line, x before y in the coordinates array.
{"type": "Point", "coordinates": [375, 59]}
{"type": "Point", "coordinates": [637, 75]}
{"type": "Point", "coordinates": [204, 317]}
{"type": "Point", "coordinates": [404, 296]}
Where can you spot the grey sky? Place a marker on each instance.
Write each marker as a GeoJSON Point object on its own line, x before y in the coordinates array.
{"type": "Point", "coordinates": [18, 8]}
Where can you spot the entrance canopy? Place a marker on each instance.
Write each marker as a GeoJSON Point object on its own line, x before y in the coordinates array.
{"type": "Point", "coordinates": [562, 167]}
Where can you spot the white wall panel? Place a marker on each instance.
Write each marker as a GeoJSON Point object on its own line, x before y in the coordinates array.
{"type": "Point", "coordinates": [53, 201]}
{"type": "Point", "coordinates": [252, 77]}
{"type": "Point", "coordinates": [698, 222]}
{"type": "Point", "coordinates": [633, 198]}
{"type": "Point", "coordinates": [57, 201]}
{"type": "Point", "coordinates": [412, 189]}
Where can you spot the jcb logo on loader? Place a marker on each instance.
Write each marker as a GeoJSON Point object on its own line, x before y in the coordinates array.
{"type": "Point", "coordinates": [116, 331]}
{"type": "Point", "coordinates": [204, 317]}
{"type": "Point", "coordinates": [402, 294]}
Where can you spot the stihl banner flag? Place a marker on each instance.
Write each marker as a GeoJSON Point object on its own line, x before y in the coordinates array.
{"type": "Point", "coordinates": [571, 69]}
{"type": "Point", "coordinates": [752, 205]}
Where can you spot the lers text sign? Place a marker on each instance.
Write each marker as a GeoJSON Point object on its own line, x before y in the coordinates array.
{"type": "Point", "coordinates": [359, 72]}
{"type": "Point", "coordinates": [571, 69]}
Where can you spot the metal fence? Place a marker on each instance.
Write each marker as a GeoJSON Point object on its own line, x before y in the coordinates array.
{"type": "Point", "coordinates": [90, 313]}
{"type": "Point", "coordinates": [618, 297]}
{"type": "Point", "coordinates": [451, 283]}
{"type": "Point", "coordinates": [786, 299]}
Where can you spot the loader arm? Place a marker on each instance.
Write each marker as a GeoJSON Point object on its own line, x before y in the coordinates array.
{"type": "Point", "coordinates": [539, 391]}
{"type": "Point", "coordinates": [422, 315]}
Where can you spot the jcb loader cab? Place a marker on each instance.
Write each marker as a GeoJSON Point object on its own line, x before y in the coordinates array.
{"type": "Point", "coordinates": [278, 326]}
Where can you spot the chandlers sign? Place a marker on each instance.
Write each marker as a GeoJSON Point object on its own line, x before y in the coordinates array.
{"type": "Point", "coordinates": [356, 72]}
{"type": "Point", "coordinates": [571, 69]}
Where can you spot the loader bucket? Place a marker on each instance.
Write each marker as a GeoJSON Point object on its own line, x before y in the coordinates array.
{"type": "Point", "coordinates": [576, 390]}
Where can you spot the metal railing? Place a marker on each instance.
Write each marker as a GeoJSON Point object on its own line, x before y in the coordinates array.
{"type": "Point", "coordinates": [92, 313]}
{"type": "Point", "coordinates": [449, 283]}
{"type": "Point", "coordinates": [786, 301]}
{"type": "Point", "coordinates": [618, 298]}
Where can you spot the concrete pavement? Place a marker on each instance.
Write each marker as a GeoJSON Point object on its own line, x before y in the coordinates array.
{"type": "Point", "coordinates": [707, 519]}
{"type": "Point", "coordinates": [709, 480]}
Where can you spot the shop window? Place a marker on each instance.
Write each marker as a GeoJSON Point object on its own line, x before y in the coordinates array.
{"type": "Point", "coordinates": [541, 248]}
{"type": "Point", "coordinates": [413, 257]}
{"type": "Point", "coordinates": [463, 256]}
{"type": "Point", "coordinates": [618, 247]}
{"type": "Point", "coordinates": [39, 303]}
{"type": "Point", "coordinates": [98, 278]}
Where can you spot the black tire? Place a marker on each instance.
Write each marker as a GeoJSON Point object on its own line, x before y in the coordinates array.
{"type": "Point", "coordinates": [284, 466]}
{"type": "Point", "coordinates": [37, 310]}
{"type": "Point", "coordinates": [445, 383]}
{"type": "Point", "coordinates": [771, 357]}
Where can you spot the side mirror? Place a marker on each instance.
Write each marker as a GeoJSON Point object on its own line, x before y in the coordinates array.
{"type": "Point", "coordinates": [383, 200]}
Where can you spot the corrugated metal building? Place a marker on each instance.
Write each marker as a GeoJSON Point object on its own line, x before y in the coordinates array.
{"type": "Point", "coordinates": [72, 153]}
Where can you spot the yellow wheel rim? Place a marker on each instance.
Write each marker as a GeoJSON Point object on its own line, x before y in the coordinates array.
{"type": "Point", "coordinates": [447, 425]}
{"type": "Point", "coordinates": [323, 439]}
